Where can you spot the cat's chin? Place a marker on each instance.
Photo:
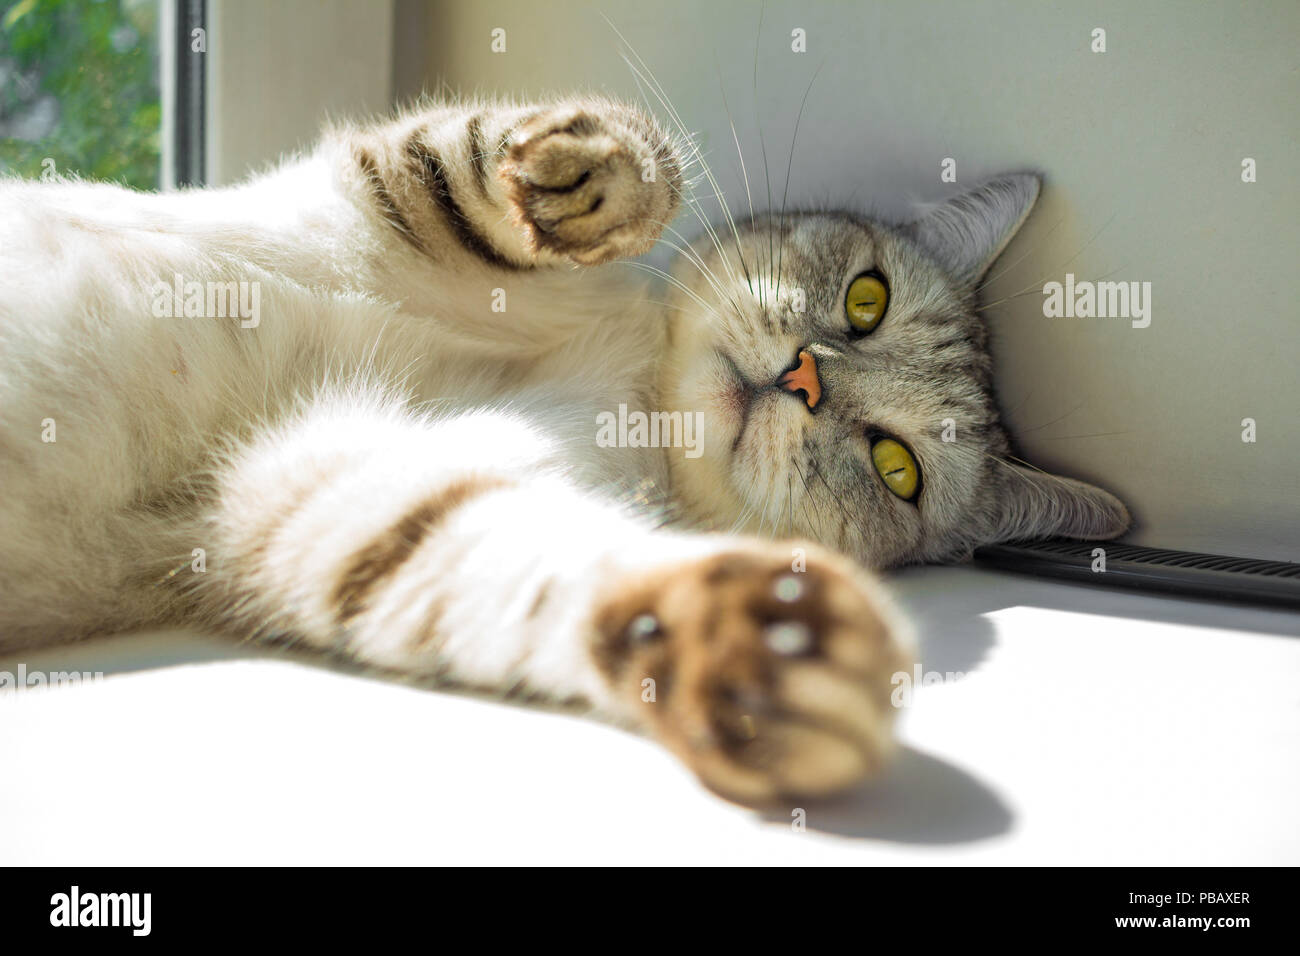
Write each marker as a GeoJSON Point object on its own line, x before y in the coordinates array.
{"type": "Point", "coordinates": [738, 452]}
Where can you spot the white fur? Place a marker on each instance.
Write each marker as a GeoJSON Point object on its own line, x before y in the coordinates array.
{"type": "Point", "coordinates": [378, 373]}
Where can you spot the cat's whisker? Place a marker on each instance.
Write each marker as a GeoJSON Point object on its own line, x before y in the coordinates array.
{"type": "Point", "coordinates": [839, 502]}
{"type": "Point", "coordinates": [744, 173]}
{"type": "Point", "coordinates": [746, 513]}
{"type": "Point", "coordinates": [1095, 235]}
{"type": "Point", "coordinates": [821, 534]}
{"type": "Point", "coordinates": [1011, 468]}
{"type": "Point", "coordinates": [692, 202]}
{"type": "Point", "coordinates": [694, 258]}
{"type": "Point", "coordinates": [766, 504]}
{"type": "Point", "coordinates": [703, 269]}
{"type": "Point", "coordinates": [777, 518]}
{"type": "Point", "coordinates": [748, 498]}
{"type": "Point", "coordinates": [1021, 461]}
{"type": "Point", "coordinates": [1026, 431]}
{"type": "Point", "coordinates": [1019, 405]}
{"type": "Point", "coordinates": [694, 154]}
{"type": "Point", "coordinates": [1019, 259]}
{"type": "Point", "coordinates": [1027, 290]}
{"type": "Point", "coordinates": [1037, 286]}
{"type": "Point", "coordinates": [789, 166]}
{"type": "Point", "coordinates": [1035, 290]}
{"type": "Point", "coordinates": [762, 146]}
{"type": "Point", "coordinates": [654, 270]}
{"type": "Point", "coordinates": [1072, 437]}
{"type": "Point", "coordinates": [657, 88]}
{"type": "Point", "coordinates": [789, 500]}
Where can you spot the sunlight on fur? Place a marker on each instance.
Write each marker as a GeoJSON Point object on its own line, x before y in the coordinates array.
{"type": "Point", "coordinates": [398, 461]}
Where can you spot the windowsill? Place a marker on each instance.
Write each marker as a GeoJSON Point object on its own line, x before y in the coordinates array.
{"type": "Point", "coordinates": [1088, 727]}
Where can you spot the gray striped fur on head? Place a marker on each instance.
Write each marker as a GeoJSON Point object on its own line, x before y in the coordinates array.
{"type": "Point", "coordinates": [922, 377]}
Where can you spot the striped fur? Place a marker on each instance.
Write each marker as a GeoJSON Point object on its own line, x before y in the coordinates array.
{"type": "Point", "coordinates": [399, 460]}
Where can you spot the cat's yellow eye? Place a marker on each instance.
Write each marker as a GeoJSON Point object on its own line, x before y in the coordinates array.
{"type": "Point", "coordinates": [897, 468]}
{"type": "Point", "coordinates": [865, 302]}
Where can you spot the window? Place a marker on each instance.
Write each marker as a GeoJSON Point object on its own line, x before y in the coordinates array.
{"type": "Point", "coordinates": [79, 90]}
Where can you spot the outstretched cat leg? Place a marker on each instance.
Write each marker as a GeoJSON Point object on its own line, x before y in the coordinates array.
{"type": "Point", "coordinates": [459, 547]}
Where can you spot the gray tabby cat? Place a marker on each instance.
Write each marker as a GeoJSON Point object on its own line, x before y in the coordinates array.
{"type": "Point", "coordinates": [358, 404]}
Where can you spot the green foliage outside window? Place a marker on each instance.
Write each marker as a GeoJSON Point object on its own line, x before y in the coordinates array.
{"type": "Point", "coordinates": [79, 87]}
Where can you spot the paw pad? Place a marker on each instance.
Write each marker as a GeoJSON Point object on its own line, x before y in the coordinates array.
{"type": "Point", "coordinates": [788, 638]}
{"type": "Point", "coordinates": [788, 589]}
{"type": "Point", "coordinates": [644, 628]}
{"type": "Point", "coordinates": [770, 683]}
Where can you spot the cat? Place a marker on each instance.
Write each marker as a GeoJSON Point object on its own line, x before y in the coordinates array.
{"type": "Point", "coordinates": [396, 459]}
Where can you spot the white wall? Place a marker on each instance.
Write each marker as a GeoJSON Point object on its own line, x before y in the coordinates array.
{"type": "Point", "coordinates": [1141, 146]}
{"type": "Point", "coordinates": [278, 68]}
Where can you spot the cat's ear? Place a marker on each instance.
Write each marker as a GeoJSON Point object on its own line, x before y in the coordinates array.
{"type": "Point", "coordinates": [1035, 504]}
{"type": "Point", "coordinates": [966, 233]}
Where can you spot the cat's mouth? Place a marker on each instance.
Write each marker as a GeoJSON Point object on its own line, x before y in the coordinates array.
{"type": "Point", "coordinates": [738, 396]}
{"type": "Point", "coordinates": [742, 405]}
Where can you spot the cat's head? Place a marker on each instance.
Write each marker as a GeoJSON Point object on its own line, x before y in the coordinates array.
{"type": "Point", "coordinates": [845, 383]}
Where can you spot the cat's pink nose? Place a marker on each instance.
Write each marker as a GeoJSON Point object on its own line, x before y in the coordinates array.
{"type": "Point", "coordinates": [804, 379]}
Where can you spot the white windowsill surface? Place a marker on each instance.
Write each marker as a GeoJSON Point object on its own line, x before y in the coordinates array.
{"type": "Point", "coordinates": [1090, 727]}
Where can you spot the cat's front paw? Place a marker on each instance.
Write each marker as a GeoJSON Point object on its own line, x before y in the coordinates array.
{"type": "Point", "coordinates": [770, 683]}
{"type": "Point", "coordinates": [591, 184]}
